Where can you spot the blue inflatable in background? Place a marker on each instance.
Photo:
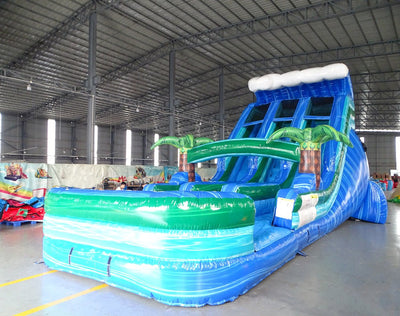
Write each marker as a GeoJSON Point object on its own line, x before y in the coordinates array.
{"type": "Point", "coordinates": [197, 243]}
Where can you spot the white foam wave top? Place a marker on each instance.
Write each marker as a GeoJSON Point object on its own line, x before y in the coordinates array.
{"type": "Point", "coordinates": [297, 77]}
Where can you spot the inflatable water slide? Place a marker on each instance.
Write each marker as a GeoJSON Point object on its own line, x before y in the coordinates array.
{"type": "Point", "coordinates": [291, 171]}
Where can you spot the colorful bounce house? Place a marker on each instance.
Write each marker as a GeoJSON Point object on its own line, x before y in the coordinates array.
{"type": "Point", "coordinates": [291, 171]}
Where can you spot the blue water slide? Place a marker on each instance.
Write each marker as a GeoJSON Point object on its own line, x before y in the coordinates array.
{"type": "Point", "coordinates": [246, 166]}
{"type": "Point", "coordinates": [216, 264]}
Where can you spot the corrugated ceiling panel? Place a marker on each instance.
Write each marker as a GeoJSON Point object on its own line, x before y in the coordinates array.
{"type": "Point", "coordinates": [132, 54]}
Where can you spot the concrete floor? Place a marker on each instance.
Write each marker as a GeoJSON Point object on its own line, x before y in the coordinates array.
{"type": "Point", "coordinates": [355, 270]}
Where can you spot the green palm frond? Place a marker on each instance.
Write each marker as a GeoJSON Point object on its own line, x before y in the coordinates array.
{"type": "Point", "coordinates": [323, 133]}
{"type": "Point", "coordinates": [183, 143]}
{"type": "Point", "coordinates": [167, 140]}
{"type": "Point", "coordinates": [318, 135]}
{"type": "Point", "coordinates": [186, 142]}
{"type": "Point", "coordinates": [294, 133]}
{"type": "Point", "coordinates": [201, 141]}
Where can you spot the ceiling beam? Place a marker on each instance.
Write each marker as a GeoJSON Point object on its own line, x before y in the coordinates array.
{"type": "Point", "coordinates": [272, 63]}
{"type": "Point", "coordinates": [319, 57]}
{"type": "Point", "coordinates": [377, 95]}
{"type": "Point", "coordinates": [391, 47]}
{"type": "Point", "coordinates": [378, 77]}
{"type": "Point", "coordinates": [386, 106]}
{"type": "Point", "coordinates": [76, 19]}
{"type": "Point", "coordinates": [79, 17]}
{"type": "Point", "coordinates": [292, 17]}
{"type": "Point", "coordinates": [296, 16]}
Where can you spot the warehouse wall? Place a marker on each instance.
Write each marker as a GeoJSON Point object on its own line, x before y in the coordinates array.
{"type": "Point", "coordinates": [64, 151]}
{"type": "Point", "coordinates": [111, 146]}
{"type": "Point", "coordinates": [35, 149]}
{"type": "Point", "coordinates": [139, 149]}
{"type": "Point", "coordinates": [23, 140]}
{"type": "Point", "coordinates": [10, 140]}
{"type": "Point", "coordinates": [381, 152]}
{"type": "Point", "coordinates": [27, 141]}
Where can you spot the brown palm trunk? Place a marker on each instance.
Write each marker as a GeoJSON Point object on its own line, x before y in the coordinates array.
{"type": "Point", "coordinates": [187, 167]}
{"type": "Point", "coordinates": [310, 162]}
{"type": "Point", "coordinates": [183, 164]}
{"type": "Point", "coordinates": [192, 172]}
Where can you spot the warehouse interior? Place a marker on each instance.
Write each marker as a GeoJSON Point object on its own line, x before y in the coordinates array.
{"type": "Point", "coordinates": [182, 67]}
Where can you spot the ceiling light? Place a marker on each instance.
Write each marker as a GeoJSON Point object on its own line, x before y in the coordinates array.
{"type": "Point", "coordinates": [137, 109]}
{"type": "Point", "coordinates": [29, 87]}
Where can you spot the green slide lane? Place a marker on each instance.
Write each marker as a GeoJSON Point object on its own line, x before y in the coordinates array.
{"type": "Point", "coordinates": [267, 191]}
{"type": "Point", "coordinates": [166, 187]}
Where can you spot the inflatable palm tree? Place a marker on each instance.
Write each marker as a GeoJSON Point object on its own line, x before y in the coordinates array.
{"type": "Point", "coordinates": [310, 140]}
{"type": "Point", "coordinates": [183, 143]}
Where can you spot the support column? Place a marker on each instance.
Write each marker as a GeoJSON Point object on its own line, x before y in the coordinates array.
{"type": "Point", "coordinates": [171, 150]}
{"type": "Point", "coordinates": [144, 142]}
{"type": "Point", "coordinates": [112, 142]}
{"type": "Point", "coordinates": [91, 87]}
{"type": "Point", "coordinates": [221, 105]}
{"type": "Point", "coordinates": [73, 142]}
{"type": "Point", "coordinates": [23, 137]}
